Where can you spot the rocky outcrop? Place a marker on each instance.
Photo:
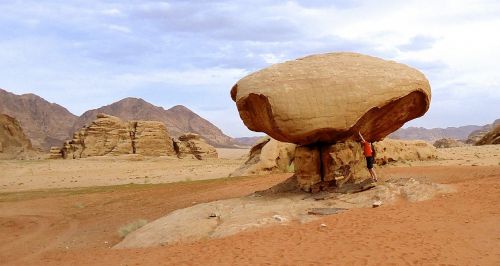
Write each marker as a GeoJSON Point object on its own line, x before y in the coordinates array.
{"type": "Point", "coordinates": [192, 145]}
{"type": "Point", "coordinates": [268, 156]}
{"type": "Point", "coordinates": [477, 135]}
{"type": "Point", "coordinates": [330, 97]}
{"type": "Point", "coordinates": [178, 119]}
{"type": "Point", "coordinates": [109, 135]}
{"type": "Point", "coordinates": [491, 137]}
{"type": "Point", "coordinates": [322, 166]}
{"type": "Point", "coordinates": [321, 102]}
{"type": "Point", "coordinates": [447, 143]}
{"type": "Point", "coordinates": [13, 142]}
{"type": "Point", "coordinates": [390, 150]}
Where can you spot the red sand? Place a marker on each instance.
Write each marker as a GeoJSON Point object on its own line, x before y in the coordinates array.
{"type": "Point", "coordinates": [461, 228]}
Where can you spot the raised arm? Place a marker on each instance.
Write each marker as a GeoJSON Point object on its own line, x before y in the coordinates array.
{"type": "Point", "coordinates": [361, 136]}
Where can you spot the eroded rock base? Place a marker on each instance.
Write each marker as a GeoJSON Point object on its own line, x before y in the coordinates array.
{"type": "Point", "coordinates": [325, 166]}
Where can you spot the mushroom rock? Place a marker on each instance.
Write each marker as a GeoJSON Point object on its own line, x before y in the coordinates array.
{"type": "Point", "coordinates": [330, 97]}
{"type": "Point", "coordinates": [320, 102]}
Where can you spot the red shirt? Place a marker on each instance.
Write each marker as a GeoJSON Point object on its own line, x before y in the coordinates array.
{"type": "Point", "coordinates": [367, 149]}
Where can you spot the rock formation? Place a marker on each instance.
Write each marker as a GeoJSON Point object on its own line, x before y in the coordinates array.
{"type": "Point", "coordinates": [477, 135]}
{"type": "Point", "coordinates": [342, 162]}
{"type": "Point", "coordinates": [109, 135]}
{"type": "Point", "coordinates": [320, 102]}
{"type": "Point", "coordinates": [178, 119]}
{"type": "Point", "coordinates": [13, 143]}
{"type": "Point", "coordinates": [268, 156]}
{"type": "Point", "coordinates": [192, 145]}
{"type": "Point", "coordinates": [491, 137]}
{"type": "Point", "coordinates": [447, 143]}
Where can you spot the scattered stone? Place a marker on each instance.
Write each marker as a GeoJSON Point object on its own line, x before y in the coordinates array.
{"type": "Point", "coordinates": [279, 218]}
{"type": "Point", "coordinates": [377, 203]}
{"type": "Point", "coordinates": [325, 211]}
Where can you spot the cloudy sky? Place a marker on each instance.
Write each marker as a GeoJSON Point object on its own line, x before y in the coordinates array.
{"type": "Point", "coordinates": [84, 54]}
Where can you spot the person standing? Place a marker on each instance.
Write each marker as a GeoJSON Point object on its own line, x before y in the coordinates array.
{"type": "Point", "coordinates": [369, 154]}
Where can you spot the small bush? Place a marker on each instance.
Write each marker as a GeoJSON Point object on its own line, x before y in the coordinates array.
{"type": "Point", "coordinates": [291, 168]}
{"type": "Point", "coordinates": [131, 227]}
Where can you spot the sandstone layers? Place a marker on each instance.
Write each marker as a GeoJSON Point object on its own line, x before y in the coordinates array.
{"type": "Point", "coordinates": [109, 135]}
{"type": "Point", "coordinates": [320, 102]}
{"type": "Point", "coordinates": [13, 142]}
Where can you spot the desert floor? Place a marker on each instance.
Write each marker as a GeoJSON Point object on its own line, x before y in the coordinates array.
{"type": "Point", "coordinates": [50, 219]}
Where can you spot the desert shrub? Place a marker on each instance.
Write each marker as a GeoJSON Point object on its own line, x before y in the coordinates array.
{"type": "Point", "coordinates": [291, 168]}
{"type": "Point", "coordinates": [131, 227]}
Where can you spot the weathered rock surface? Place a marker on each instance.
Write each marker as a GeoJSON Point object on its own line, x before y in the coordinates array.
{"type": "Point", "coordinates": [192, 145]}
{"type": "Point", "coordinates": [13, 142]}
{"type": "Point", "coordinates": [330, 97]}
{"type": "Point", "coordinates": [447, 143]}
{"type": "Point", "coordinates": [228, 217]}
{"type": "Point", "coordinates": [109, 135]}
{"type": "Point", "coordinates": [266, 157]}
{"type": "Point", "coordinates": [492, 137]}
{"type": "Point", "coordinates": [151, 138]}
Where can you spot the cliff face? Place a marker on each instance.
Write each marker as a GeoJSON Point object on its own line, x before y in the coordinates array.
{"type": "Point", "coordinates": [178, 119]}
{"type": "Point", "coordinates": [45, 124]}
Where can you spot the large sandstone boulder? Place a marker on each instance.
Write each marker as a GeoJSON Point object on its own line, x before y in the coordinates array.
{"type": "Point", "coordinates": [109, 135]}
{"type": "Point", "coordinates": [267, 156]}
{"type": "Point", "coordinates": [447, 143]}
{"type": "Point", "coordinates": [192, 145]}
{"type": "Point", "coordinates": [330, 97]}
{"type": "Point", "coordinates": [13, 142]}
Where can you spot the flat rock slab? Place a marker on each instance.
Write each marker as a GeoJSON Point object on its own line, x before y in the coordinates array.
{"type": "Point", "coordinates": [255, 211]}
{"type": "Point", "coordinates": [350, 188]}
{"type": "Point", "coordinates": [325, 211]}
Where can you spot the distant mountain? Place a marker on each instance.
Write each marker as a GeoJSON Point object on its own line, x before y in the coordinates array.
{"type": "Point", "coordinates": [246, 141]}
{"type": "Point", "coordinates": [178, 119]}
{"type": "Point", "coordinates": [45, 124]}
{"type": "Point", "coordinates": [434, 133]}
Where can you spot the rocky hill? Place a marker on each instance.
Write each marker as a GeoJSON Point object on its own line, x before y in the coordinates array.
{"type": "Point", "coordinates": [45, 124]}
{"type": "Point", "coordinates": [433, 134]}
{"type": "Point", "coordinates": [178, 119]}
{"type": "Point", "coordinates": [13, 142]}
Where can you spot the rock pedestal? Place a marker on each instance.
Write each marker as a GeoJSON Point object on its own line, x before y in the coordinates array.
{"type": "Point", "coordinates": [320, 166]}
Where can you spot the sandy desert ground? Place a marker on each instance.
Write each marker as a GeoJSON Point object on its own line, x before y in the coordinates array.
{"type": "Point", "coordinates": [70, 212]}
